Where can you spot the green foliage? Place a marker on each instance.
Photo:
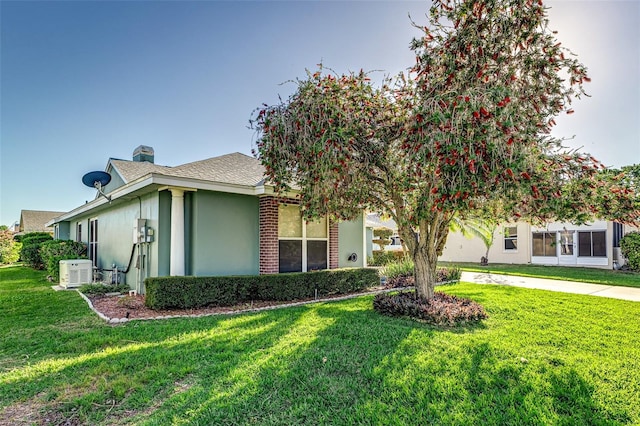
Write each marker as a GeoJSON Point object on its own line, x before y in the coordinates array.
{"type": "Point", "coordinates": [9, 248]}
{"type": "Point", "coordinates": [442, 309]}
{"type": "Point", "coordinates": [382, 236]}
{"type": "Point", "coordinates": [193, 292]}
{"type": "Point", "coordinates": [383, 233]}
{"type": "Point", "coordinates": [383, 257]}
{"type": "Point", "coordinates": [630, 247]}
{"type": "Point", "coordinates": [30, 252]}
{"type": "Point", "coordinates": [53, 251]}
{"type": "Point", "coordinates": [395, 269]}
{"type": "Point", "coordinates": [98, 289]}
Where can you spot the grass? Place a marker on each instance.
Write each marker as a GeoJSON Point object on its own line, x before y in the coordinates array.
{"type": "Point", "coordinates": [541, 358]}
{"type": "Point", "coordinates": [568, 273]}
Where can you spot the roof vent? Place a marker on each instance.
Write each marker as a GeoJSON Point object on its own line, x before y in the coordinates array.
{"type": "Point", "coordinates": [143, 153]}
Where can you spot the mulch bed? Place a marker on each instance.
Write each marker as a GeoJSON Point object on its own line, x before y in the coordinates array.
{"type": "Point", "coordinates": [133, 307]}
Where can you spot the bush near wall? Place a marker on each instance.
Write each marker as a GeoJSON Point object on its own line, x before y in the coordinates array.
{"type": "Point", "coordinates": [30, 252]}
{"type": "Point", "coordinates": [195, 292]}
{"type": "Point", "coordinates": [630, 248]}
{"type": "Point", "coordinates": [384, 257]}
{"type": "Point", "coordinates": [52, 252]}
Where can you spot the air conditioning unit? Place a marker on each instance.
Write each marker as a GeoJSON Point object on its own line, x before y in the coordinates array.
{"type": "Point", "coordinates": [75, 272]}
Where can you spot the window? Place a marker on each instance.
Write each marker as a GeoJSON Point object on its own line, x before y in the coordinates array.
{"type": "Point", "coordinates": [618, 233]}
{"type": "Point", "coordinates": [544, 244]}
{"type": "Point", "coordinates": [302, 246]}
{"type": "Point", "coordinates": [511, 238]}
{"type": "Point", "coordinates": [592, 244]}
{"type": "Point", "coordinates": [79, 232]}
{"type": "Point", "coordinates": [93, 241]}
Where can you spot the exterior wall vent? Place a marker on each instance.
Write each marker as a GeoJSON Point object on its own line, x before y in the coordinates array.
{"type": "Point", "coordinates": [143, 153]}
{"type": "Point", "coordinates": [75, 272]}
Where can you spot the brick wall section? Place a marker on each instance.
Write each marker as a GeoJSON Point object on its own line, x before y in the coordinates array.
{"type": "Point", "coordinates": [268, 235]}
{"type": "Point", "coordinates": [333, 245]}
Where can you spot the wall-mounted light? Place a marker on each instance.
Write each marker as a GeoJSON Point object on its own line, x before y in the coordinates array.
{"type": "Point", "coordinates": [352, 257]}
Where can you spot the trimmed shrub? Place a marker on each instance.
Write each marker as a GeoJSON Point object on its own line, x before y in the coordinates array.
{"type": "Point", "coordinates": [630, 247]}
{"type": "Point", "coordinates": [52, 252]}
{"type": "Point", "coordinates": [30, 252]}
{"type": "Point", "coordinates": [384, 257]}
{"type": "Point", "coordinates": [9, 248]}
{"type": "Point", "coordinates": [442, 310]}
{"type": "Point", "coordinates": [195, 292]}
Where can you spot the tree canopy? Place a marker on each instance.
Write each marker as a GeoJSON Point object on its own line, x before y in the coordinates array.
{"type": "Point", "coordinates": [466, 131]}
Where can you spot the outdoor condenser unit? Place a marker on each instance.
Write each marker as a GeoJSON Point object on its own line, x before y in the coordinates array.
{"type": "Point", "coordinates": [75, 272]}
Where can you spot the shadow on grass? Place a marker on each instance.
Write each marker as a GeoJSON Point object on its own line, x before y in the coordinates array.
{"type": "Point", "coordinates": [326, 363]}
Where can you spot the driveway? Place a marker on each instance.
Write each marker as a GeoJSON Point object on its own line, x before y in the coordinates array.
{"type": "Point", "coordinates": [615, 292]}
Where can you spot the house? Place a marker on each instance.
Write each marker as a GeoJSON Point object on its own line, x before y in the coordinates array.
{"type": "Point", "coordinates": [211, 217]}
{"type": "Point", "coordinates": [596, 244]}
{"type": "Point", "coordinates": [36, 221]}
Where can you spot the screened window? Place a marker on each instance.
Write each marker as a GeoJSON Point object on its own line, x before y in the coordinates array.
{"type": "Point", "coordinates": [592, 244]}
{"type": "Point", "coordinates": [544, 244]}
{"type": "Point", "coordinates": [511, 238]}
{"type": "Point", "coordinates": [302, 246]}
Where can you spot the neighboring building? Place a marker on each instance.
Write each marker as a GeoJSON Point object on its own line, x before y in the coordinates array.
{"type": "Point", "coordinates": [36, 221]}
{"type": "Point", "coordinates": [596, 244]}
{"type": "Point", "coordinates": [211, 217]}
{"type": "Point", "coordinates": [375, 221]}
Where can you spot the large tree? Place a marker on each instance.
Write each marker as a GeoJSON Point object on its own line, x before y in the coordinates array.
{"type": "Point", "coordinates": [469, 126]}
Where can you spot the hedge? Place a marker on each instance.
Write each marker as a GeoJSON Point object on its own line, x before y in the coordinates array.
{"type": "Point", "coordinates": [30, 252]}
{"type": "Point", "coordinates": [630, 247]}
{"type": "Point", "coordinates": [195, 292]}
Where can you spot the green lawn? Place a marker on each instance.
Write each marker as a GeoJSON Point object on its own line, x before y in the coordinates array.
{"type": "Point", "coordinates": [541, 358]}
{"type": "Point", "coordinates": [588, 275]}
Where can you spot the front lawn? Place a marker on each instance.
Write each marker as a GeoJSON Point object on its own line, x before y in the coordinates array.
{"type": "Point", "coordinates": [540, 358]}
{"type": "Point", "coordinates": [568, 273]}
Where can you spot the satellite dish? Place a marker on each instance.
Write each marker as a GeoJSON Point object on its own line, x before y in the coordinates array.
{"type": "Point", "coordinates": [97, 180]}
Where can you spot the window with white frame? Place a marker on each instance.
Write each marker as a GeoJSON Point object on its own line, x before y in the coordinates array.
{"type": "Point", "coordinates": [93, 241]}
{"type": "Point", "coordinates": [302, 246]}
{"type": "Point", "coordinates": [592, 244]}
{"type": "Point", "coordinates": [544, 244]}
{"type": "Point", "coordinates": [79, 232]}
{"type": "Point", "coordinates": [511, 238]}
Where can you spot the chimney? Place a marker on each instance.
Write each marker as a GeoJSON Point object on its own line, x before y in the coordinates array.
{"type": "Point", "coordinates": [143, 153]}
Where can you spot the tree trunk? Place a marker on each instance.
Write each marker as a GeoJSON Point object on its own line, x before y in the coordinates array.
{"type": "Point", "coordinates": [425, 262]}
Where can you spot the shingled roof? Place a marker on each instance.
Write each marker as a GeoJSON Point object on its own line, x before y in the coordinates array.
{"type": "Point", "coordinates": [235, 168]}
{"type": "Point", "coordinates": [35, 220]}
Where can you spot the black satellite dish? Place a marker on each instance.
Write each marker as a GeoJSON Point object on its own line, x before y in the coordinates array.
{"type": "Point", "coordinates": [97, 180]}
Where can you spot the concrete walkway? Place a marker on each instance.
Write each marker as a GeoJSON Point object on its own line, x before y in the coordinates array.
{"type": "Point", "coordinates": [615, 292]}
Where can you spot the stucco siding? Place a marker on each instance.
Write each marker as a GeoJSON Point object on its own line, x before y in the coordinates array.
{"type": "Point", "coordinates": [351, 239]}
{"type": "Point", "coordinates": [461, 249]}
{"type": "Point", "coordinates": [115, 183]}
{"type": "Point", "coordinates": [224, 234]}
{"type": "Point", "coordinates": [163, 234]}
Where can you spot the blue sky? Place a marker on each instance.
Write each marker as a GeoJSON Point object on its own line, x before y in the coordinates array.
{"type": "Point", "coordinates": [85, 81]}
